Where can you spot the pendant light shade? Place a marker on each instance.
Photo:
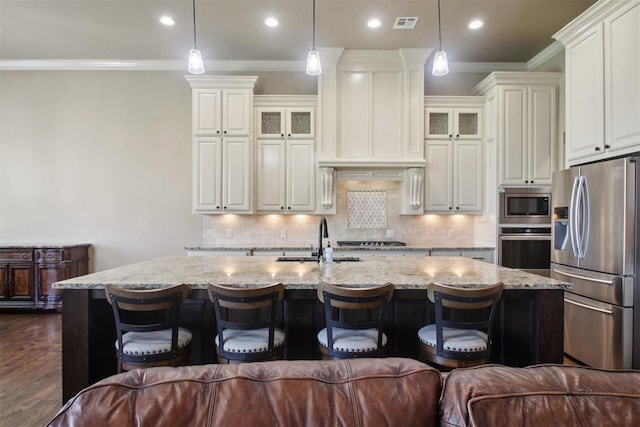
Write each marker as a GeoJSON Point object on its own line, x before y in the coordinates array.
{"type": "Point", "coordinates": [440, 64]}
{"type": "Point", "coordinates": [196, 64]}
{"type": "Point", "coordinates": [314, 68]}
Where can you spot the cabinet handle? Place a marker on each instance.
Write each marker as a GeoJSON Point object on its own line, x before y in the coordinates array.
{"type": "Point", "coordinates": [597, 148]}
{"type": "Point", "coordinates": [607, 146]}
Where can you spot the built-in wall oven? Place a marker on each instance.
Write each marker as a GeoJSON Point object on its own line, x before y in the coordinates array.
{"type": "Point", "coordinates": [524, 229]}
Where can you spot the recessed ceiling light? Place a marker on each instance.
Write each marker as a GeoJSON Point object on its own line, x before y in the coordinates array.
{"type": "Point", "coordinates": [373, 23]}
{"type": "Point", "coordinates": [167, 20]}
{"type": "Point", "coordinates": [271, 22]}
{"type": "Point", "coordinates": [475, 24]}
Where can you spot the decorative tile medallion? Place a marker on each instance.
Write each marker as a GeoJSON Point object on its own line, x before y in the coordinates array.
{"type": "Point", "coordinates": [366, 209]}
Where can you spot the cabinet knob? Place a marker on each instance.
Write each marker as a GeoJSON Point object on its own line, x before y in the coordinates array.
{"type": "Point", "coordinates": [225, 132]}
{"type": "Point", "coordinates": [289, 208]}
{"type": "Point", "coordinates": [607, 146]}
{"type": "Point", "coordinates": [532, 182]}
{"type": "Point", "coordinates": [457, 207]}
{"type": "Point", "coordinates": [526, 182]}
{"type": "Point", "coordinates": [289, 134]}
{"type": "Point", "coordinates": [218, 132]}
{"type": "Point", "coordinates": [450, 136]}
{"type": "Point", "coordinates": [597, 149]}
{"type": "Point", "coordinates": [282, 134]}
{"type": "Point", "coordinates": [281, 207]}
{"type": "Point", "coordinates": [450, 208]}
{"type": "Point", "coordinates": [458, 136]}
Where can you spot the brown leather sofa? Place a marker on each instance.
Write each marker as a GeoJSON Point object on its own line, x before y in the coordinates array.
{"type": "Point", "coordinates": [358, 392]}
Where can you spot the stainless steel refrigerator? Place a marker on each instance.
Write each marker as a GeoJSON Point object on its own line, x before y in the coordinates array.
{"type": "Point", "coordinates": [595, 238]}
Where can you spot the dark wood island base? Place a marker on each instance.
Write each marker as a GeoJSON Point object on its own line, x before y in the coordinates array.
{"type": "Point", "coordinates": [529, 329]}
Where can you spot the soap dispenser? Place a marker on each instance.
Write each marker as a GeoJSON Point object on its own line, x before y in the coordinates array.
{"type": "Point", "coordinates": [328, 253]}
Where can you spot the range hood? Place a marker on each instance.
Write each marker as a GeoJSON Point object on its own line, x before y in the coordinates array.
{"type": "Point", "coordinates": [371, 110]}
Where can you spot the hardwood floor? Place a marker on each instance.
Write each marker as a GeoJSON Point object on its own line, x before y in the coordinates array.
{"type": "Point", "coordinates": [30, 368]}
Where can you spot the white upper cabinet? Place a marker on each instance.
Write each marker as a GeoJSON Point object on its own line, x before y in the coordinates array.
{"type": "Point", "coordinates": [454, 170]}
{"type": "Point", "coordinates": [285, 176]}
{"type": "Point", "coordinates": [523, 124]}
{"type": "Point", "coordinates": [602, 55]}
{"type": "Point", "coordinates": [280, 122]}
{"type": "Point", "coordinates": [222, 143]}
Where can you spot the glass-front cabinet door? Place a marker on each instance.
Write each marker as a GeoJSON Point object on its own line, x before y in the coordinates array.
{"type": "Point", "coordinates": [270, 123]}
{"type": "Point", "coordinates": [301, 123]}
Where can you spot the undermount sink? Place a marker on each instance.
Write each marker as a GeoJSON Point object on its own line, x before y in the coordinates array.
{"type": "Point", "coordinates": [314, 259]}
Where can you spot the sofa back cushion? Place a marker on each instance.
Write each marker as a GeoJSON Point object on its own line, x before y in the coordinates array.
{"type": "Point", "coordinates": [354, 392]}
{"type": "Point", "coordinates": [540, 395]}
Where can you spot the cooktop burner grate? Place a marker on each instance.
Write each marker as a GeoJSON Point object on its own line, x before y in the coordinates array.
{"type": "Point", "coordinates": [370, 243]}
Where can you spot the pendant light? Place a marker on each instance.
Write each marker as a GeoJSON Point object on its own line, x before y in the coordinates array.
{"type": "Point", "coordinates": [196, 64]}
{"type": "Point", "coordinates": [440, 65]}
{"type": "Point", "coordinates": [314, 68]}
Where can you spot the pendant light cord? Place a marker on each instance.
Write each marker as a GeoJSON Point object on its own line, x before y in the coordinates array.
{"type": "Point", "coordinates": [439, 28]}
{"type": "Point", "coordinates": [314, 24]}
{"type": "Point", "coordinates": [195, 43]}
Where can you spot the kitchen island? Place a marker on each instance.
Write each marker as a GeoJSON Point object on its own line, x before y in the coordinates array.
{"type": "Point", "coordinates": [529, 322]}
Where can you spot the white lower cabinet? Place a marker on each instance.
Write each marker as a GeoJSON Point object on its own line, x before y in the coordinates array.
{"type": "Point", "coordinates": [285, 180]}
{"type": "Point", "coordinates": [222, 175]}
{"type": "Point", "coordinates": [453, 176]}
{"type": "Point", "coordinates": [485, 255]}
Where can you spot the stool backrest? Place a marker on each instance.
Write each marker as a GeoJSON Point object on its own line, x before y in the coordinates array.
{"type": "Point", "coordinates": [480, 305]}
{"type": "Point", "coordinates": [354, 308]}
{"type": "Point", "coordinates": [147, 310]}
{"type": "Point", "coordinates": [245, 309]}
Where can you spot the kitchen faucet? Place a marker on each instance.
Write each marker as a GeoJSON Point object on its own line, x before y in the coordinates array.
{"type": "Point", "coordinates": [323, 226]}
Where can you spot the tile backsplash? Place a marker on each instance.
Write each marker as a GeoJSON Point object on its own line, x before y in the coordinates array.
{"type": "Point", "coordinates": [366, 197]}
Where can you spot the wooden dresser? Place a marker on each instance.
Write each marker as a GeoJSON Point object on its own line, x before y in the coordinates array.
{"type": "Point", "coordinates": [28, 271]}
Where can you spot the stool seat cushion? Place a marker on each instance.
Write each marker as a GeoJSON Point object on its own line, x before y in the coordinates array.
{"type": "Point", "coordinates": [250, 340]}
{"type": "Point", "coordinates": [153, 342]}
{"type": "Point", "coordinates": [352, 340]}
{"type": "Point", "coordinates": [462, 340]}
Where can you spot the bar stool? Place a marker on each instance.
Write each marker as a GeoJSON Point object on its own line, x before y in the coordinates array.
{"type": "Point", "coordinates": [246, 323]}
{"type": "Point", "coordinates": [461, 334]}
{"type": "Point", "coordinates": [147, 327]}
{"type": "Point", "coordinates": [353, 318]}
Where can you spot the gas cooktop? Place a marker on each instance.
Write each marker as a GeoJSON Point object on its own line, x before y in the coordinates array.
{"type": "Point", "coordinates": [370, 243]}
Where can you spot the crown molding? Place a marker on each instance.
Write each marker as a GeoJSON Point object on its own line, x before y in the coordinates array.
{"type": "Point", "coordinates": [485, 67]}
{"type": "Point", "coordinates": [146, 65]}
{"type": "Point", "coordinates": [544, 55]}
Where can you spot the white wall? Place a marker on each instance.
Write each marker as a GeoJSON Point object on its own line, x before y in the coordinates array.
{"type": "Point", "coordinates": [97, 157]}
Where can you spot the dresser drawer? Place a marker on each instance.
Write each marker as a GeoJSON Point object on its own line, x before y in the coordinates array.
{"type": "Point", "coordinates": [16, 254]}
{"type": "Point", "coordinates": [50, 255]}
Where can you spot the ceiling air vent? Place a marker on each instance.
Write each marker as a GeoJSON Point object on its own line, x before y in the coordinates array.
{"type": "Point", "coordinates": [405, 23]}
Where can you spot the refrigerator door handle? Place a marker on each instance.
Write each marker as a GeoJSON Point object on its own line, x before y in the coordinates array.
{"type": "Point", "coordinates": [586, 209]}
{"type": "Point", "coordinates": [572, 218]}
{"type": "Point", "coordinates": [578, 276]}
{"type": "Point", "coordinates": [589, 307]}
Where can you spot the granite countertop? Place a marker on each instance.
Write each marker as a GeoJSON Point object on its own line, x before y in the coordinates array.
{"type": "Point", "coordinates": [403, 272]}
{"type": "Point", "coordinates": [337, 248]}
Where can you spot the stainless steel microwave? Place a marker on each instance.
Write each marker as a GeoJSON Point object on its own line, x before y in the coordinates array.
{"type": "Point", "coordinates": [525, 206]}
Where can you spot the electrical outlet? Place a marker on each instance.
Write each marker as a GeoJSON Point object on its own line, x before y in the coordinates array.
{"type": "Point", "coordinates": [283, 233]}
{"type": "Point", "coordinates": [449, 234]}
{"type": "Point", "coordinates": [229, 233]}
{"type": "Point", "coordinates": [391, 233]}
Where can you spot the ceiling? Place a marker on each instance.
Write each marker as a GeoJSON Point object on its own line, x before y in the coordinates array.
{"type": "Point", "coordinates": [234, 30]}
